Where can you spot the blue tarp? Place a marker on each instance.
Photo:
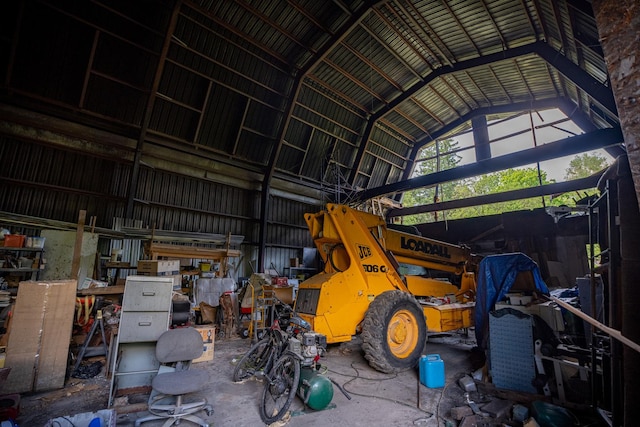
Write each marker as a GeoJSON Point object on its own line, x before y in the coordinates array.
{"type": "Point", "coordinates": [496, 275]}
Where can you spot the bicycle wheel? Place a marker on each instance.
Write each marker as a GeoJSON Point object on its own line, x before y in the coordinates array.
{"type": "Point", "coordinates": [254, 360]}
{"type": "Point", "coordinates": [280, 389]}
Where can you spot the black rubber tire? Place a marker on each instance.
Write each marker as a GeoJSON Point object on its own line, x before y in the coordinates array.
{"type": "Point", "coordinates": [280, 388]}
{"type": "Point", "coordinates": [254, 360]}
{"type": "Point", "coordinates": [377, 327]}
{"type": "Point", "coordinates": [244, 333]}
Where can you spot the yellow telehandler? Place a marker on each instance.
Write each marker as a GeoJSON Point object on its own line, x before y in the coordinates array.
{"type": "Point", "coordinates": [374, 282]}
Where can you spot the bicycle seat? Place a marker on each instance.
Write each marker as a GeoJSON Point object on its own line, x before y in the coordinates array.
{"type": "Point", "coordinates": [300, 323]}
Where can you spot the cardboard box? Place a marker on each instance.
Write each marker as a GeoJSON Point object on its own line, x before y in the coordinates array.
{"type": "Point", "coordinates": [208, 340]}
{"type": "Point", "coordinates": [159, 268]}
{"type": "Point", "coordinates": [41, 327]}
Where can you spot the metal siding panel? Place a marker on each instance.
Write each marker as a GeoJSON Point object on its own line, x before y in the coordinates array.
{"type": "Point", "coordinates": [255, 148]}
{"type": "Point", "coordinates": [47, 182]}
{"type": "Point", "coordinates": [221, 120]}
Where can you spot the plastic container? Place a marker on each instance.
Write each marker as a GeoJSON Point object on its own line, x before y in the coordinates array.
{"type": "Point", "coordinates": [14, 240]}
{"type": "Point", "coordinates": [550, 415]}
{"type": "Point", "coordinates": [519, 299]}
{"type": "Point", "coordinates": [432, 371]}
{"type": "Point", "coordinates": [34, 242]}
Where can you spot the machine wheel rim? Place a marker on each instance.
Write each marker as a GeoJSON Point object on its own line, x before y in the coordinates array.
{"type": "Point", "coordinates": [402, 333]}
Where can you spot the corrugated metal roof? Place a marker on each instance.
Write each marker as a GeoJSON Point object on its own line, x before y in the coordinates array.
{"type": "Point", "coordinates": [236, 72]}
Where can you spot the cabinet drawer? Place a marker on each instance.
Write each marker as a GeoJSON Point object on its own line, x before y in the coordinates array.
{"type": "Point", "coordinates": [136, 326]}
{"type": "Point", "coordinates": [147, 293]}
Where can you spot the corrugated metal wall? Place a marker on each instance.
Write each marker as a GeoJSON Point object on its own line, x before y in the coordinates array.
{"type": "Point", "coordinates": [51, 182]}
{"type": "Point", "coordinates": [47, 182]}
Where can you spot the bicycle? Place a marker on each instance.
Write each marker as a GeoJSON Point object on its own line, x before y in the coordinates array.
{"type": "Point", "coordinates": [279, 356]}
{"type": "Point", "coordinates": [280, 388]}
{"type": "Point", "coordinates": [283, 378]}
{"type": "Point", "coordinates": [262, 355]}
{"type": "Point", "coordinates": [272, 342]}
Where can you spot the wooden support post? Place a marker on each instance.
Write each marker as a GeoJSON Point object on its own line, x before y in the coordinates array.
{"type": "Point", "coordinates": [77, 249]}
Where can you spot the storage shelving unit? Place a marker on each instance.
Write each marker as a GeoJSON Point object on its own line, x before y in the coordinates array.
{"type": "Point", "coordinates": [12, 267]}
{"type": "Point", "coordinates": [606, 353]}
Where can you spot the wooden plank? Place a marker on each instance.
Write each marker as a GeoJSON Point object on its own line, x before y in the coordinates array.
{"type": "Point", "coordinates": [57, 328]}
{"type": "Point", "coordinates": [41, 327]}
{"type": "Point", "coordinates": [118, 265]}
{"type": "Point", "coordinates": [77, 249]}
{"type": "Point", "coordinates": [106, 290]}
{"type": "Point", "coordinates": [614, 333]}
{"type": "Point", "coordinates": [131, 408]}
{"type": "Point", "coordinates": [177, 251]}
{"type": "Point", "coordinates": [24, 340]}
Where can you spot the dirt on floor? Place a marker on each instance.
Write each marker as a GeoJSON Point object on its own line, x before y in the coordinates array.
{"type": "Point", "coordinates": [370, 398]}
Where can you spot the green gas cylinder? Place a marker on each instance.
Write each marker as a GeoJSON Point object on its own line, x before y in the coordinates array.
{"type": "Point", "coordinates": [314, 389]}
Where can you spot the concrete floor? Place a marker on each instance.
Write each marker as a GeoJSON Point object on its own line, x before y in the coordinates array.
{"type": "Point", "coordinates": [376, 399]}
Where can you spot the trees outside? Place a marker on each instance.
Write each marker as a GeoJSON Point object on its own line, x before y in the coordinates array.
{"type": "Point", "coordinates": [511, 179]}
{"type": "Point", "coordinates": [433, 158]}
{"type": "Point", "coordinates": [584, 165]}
{"type": "Point", "coordinates": [498, 182]}
{"type": "Point", "coordinates": [581, 166]}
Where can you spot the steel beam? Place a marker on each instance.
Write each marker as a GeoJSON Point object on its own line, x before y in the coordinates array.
{"type": "Point", "coordinates": [353, 22]}
{"type": "Point", "coordinates": [148, 112]}
{"type": "Point", "coordinates": [481, 137]}
{"type": "Point", "coordinates": [459, 66]}
{"type": "Point", "coordinates": [484, 111]}
{"type": "Point", "coordinates": [524, 193]}
{"type": "Point", "coordinates": [577, 144]}
{"type": "Point", "coordinates": [600, 93]}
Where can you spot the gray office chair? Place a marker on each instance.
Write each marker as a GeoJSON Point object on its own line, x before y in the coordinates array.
{"type": "Point", "coordinates": [177, 348]}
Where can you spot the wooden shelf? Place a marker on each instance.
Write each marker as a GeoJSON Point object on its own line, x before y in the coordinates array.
{"type": "Point", "coordinates": [156, 250]}
{"type": "Point", "coordinates": [19, 270]}
{"type": "Point", "coordinates": [216, 251]}
{"type": "Point", "coordinates": [123, 265]}
{"type": "Point", "coordinates": [12, 266]}
{"type": "Point", "coordinates": [106, 290]}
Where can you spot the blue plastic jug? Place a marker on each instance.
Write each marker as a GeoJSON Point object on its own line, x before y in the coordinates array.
{"type": "Point", "coordinates": [432, 371]}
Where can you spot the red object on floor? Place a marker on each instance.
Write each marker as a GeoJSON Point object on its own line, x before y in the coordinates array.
{"type": "Point", "coordinates": [9, 407]}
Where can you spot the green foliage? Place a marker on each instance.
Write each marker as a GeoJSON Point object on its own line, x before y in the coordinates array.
{"type": "Point", "coordinates": [584, 165]}
{"type": "Point", "coordinates": [498, 182]}
{"type": "Point", "coordinates": [432, 163]}
{"type": "Point", "coordinates": [581, 166]}
{"type": "Point", "coordinates": [511, 179]}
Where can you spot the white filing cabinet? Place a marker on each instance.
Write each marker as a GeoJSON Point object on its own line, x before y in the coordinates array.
{"type": "Point", "coordinates": [146, 312]}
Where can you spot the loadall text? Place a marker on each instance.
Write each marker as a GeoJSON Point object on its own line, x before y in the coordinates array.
{"type": "Point", "coordinates": [427, 248]}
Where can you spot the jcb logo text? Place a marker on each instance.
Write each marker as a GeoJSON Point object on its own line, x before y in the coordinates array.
{"type": "Point", "coordinates": [364, 251]}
